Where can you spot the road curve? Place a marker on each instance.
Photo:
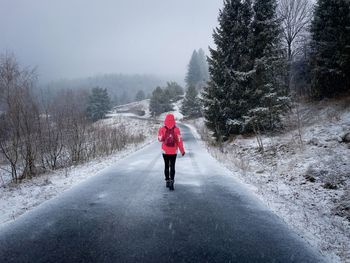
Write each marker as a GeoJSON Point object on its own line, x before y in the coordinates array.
{"type": "Point", "coordinates": [125, 214]}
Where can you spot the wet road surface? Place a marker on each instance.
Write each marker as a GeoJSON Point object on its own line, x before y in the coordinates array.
{"type": "Point", "coordinates": [125, 214]}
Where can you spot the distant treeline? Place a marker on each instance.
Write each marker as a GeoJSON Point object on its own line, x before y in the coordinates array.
{"type": "Point", "coordinates": [121, 88]}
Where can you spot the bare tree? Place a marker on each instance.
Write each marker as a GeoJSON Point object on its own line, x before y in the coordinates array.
{"type": "Point", "coordinates": [17, 132]}
{"type": "Point", "coordinates": [70, 115]}
{"type": "Point", "coordinates": [30, 130]}
{"type": "Point", "coordinates": [296, 16]}
{"type": "Point", "coordinates": [50, 134]}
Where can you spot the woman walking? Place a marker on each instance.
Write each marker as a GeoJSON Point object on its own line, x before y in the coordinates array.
{"type": "Point", "coordinates": [171, 139]}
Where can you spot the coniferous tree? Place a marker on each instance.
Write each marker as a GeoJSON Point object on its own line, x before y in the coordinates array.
{"type": "Point", "coordinates": [159, 102]}
{"type": "Point", "coordinates": [174, 91]}
{"type": "Point", "coordinates": [194, 71]}
{"type": "Point", "coordinates": [268, 92]}
{"type": "Point", "coordinates": [197, 74]}
{"type": "Point", "coordinates": [166, 103]}
{"type": "Point", "coordinates": [203, 65]}
{"type": "Point", "coordinates": [224, 98]}
{"type": "Point", "coordinates": [155, 105]}
{"type": "Point", "coordinates": [140, 95]}
{"type": "Point", "coordinates": [99, 104]}
{"type": "Point", "coordinates": [245, 91]}
{"type": "Point", "coordinates": [191, 105]}
{"type": "Point", "coordinates": [330, 60]}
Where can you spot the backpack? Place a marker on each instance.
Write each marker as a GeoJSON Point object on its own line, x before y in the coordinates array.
{"type": "Point", "coordinates": [169, 139]}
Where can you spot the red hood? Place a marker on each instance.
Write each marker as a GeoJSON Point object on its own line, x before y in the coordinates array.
{"type": "Point", "coordinates": [169, 121]}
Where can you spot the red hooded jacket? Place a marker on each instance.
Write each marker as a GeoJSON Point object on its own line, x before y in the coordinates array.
{"type": "Point", "coordinates": [170, 123]}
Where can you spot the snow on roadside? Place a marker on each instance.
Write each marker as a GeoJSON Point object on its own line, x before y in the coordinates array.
{"type": "Point", "coordinates": [15, 200]}
{"type": "Point", "coordinates": [307, 185]}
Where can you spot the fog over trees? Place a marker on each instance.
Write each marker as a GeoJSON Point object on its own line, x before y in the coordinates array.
{"type": "Point", "coordinates": [121, 88]}
{"type": "Point", "coordinates": [47, 131]}
{"type": "Point", "coordinates": [162, 98]}
{"type": "Point", "coordinates": [265, 55]}
{"type": "Point", "coordinates": [197, 73]}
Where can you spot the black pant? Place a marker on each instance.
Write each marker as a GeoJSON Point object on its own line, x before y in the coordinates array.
{"type": "Point", "coordinates": [169, 162]}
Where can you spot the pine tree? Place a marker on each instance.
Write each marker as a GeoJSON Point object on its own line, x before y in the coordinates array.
{"type": "Point", "coordinates": [155, 106]}
{"type": "Point", "coordinates": [140, 95]}
{"type": "Point", "coordinates": [268, 98]}
{"type": "Point", "coordinates": [197, 74]}
{"type": "Point", "coordinates": [229, 67]}
{"type": "Point", "coordinates": [203, 65]}
{"type": "Point", "coordinates": [174, 91]}
{"type": "Point", "coordinates": [245, 91]}
{"type": "Point", "coordinates": [191, 107]}
{"type": "Point", "coordinates": [194, 71]}
{"type": "Point", "coordinates": [159, 102]}
{"type": "Point", "coordinates": [330, 61]}
{"type": "Point", "coordinates": [99, 104]}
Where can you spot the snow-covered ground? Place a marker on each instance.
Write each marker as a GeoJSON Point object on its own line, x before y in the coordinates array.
{"type": "Point", "coordinates": [294, 176]}
{"type": "Point", "coordinates": [17, 199]}
{"type": "Point", "coordinates": [304, 177]}
{"type": "Point", "coordinates": [138, 109]}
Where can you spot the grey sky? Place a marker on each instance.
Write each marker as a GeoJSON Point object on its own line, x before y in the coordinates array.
{"type": "Point", "coordinates": [78, 38]}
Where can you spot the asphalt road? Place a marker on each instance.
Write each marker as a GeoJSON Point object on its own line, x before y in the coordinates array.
{"type": "Point", "coordinates": [125, 214]}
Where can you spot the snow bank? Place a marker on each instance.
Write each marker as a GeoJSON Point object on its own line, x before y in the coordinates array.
{"type": "Point", "coordinates": [17, 199]}
{"type": "Point", "coordinates": [303, 175]}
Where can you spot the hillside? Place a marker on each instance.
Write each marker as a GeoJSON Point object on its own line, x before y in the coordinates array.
{"type": "Point", "coordinates": [17, 199]}
{"type": "Point", "coordinates": [303, 174]}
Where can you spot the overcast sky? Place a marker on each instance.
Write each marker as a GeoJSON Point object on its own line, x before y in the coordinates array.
{"type": "Point", "coordinates": [79, 38]}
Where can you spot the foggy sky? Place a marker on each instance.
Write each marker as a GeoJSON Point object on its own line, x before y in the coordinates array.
{"type": "Point", "coordinates": [81, 38]}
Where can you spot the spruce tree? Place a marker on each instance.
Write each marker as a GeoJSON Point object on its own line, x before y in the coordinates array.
{"type": "Point", "coordinates": [194, 71]}
{"type": "Point", "coordinates": [224, 98]}
{"type": "Point", "coordinates": [99, 104]}
{"type": "Point", "coordinates": [197, 74]}
{"type": "Point", "coordinates": [330, 44]}
{"type": "Point", "coordinates": [174, 91]}
{"type": "Point", "coordinates": [246, 90]}
{"type": "Point", "coordinates": [267, 97]}
{"type": "Point", "coordinates": [155, 106]}
{"type": "Point", "coordinates": [203, 65]}
{"type": "Point", "coordinates": [140, 95]}
{"type": "Point", "coordinates": [159, 102]}
{"type": "Point", "coordinates": [191, 107]}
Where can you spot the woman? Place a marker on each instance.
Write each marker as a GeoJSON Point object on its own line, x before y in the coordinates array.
{"type": "Point", "coordinates": [171, 139]}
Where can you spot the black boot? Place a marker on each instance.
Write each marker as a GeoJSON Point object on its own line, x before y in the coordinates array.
{"type": "Point", "coordinates": [171, 185]}
{"type": "Point", "coordinates": [167, 183]}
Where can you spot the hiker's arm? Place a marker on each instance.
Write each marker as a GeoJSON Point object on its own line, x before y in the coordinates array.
{"type": "Point", "coordinates": [180, 142]}
{"type": "Point", "coordinates": [161, 135]}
